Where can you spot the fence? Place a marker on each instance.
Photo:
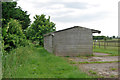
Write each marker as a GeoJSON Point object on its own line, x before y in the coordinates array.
{"type": "Point", "coordinates": [106, 44]}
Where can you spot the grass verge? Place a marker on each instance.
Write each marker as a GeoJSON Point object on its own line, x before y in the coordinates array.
{"type": "Point", "coordinates": [36, 62]}
{"type": "Point", "coordinates": [92, 62]}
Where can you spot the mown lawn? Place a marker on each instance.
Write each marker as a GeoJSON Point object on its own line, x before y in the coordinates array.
{"type": "Point", "coordinates": [113, 51]}
{"type": "Point", "coordinates": [36, 62]}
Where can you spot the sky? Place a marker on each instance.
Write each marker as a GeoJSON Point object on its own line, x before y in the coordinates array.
{"type": "Point", "coordinates": [95, 14]}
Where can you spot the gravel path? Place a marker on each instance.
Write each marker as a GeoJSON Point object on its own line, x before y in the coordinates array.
{"type": "Point", "coordinates": [106, 70]}
{"type": "Point", "coordinates": [101, 54]}
{"type": "Point", "coordinates": [93, 59]}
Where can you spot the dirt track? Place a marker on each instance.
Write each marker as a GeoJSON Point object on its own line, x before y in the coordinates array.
{"type": "Point", "coordinates": [106, 70]}
{"type": "Point", "coordinates": [93, 59]}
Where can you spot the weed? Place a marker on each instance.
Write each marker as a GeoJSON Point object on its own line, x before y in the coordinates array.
{"type": "Point", "coordinates": [71, 62]}
{"type": "Point", "coordinates": [67, 56]}
{"type": "Point", "coordinates": [112, 76]}
{"type": "Point", "coordinates": [113, 69]}
{"type": "Point", "coordinates": [93, 72]}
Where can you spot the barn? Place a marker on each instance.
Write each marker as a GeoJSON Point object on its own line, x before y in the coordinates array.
{"type": "Point", "coordinates": [74, 41]}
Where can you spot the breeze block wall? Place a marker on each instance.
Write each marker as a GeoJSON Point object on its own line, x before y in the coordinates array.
{"type": "Point", "coordinates": [48, 43]}
{"type": "Point", "coordinates": [73, 42]}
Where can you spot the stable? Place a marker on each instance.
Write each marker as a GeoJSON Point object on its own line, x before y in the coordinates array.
{"type": "Point", "coordinates": [74, 41]}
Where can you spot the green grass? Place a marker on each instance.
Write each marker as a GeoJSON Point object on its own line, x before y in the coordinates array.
{"type": "Point", "coordinates": [113, 51]}
{"type": "Point", "coordinates": [110, 40]}
{"type": "Point", "coordinates": [110, 47]}
{"type": "Point", "coordinates": [36, 62]}
{"type": "Point", "coordinates": [86, 62]}
{"type": "Point", "coordinates": [113, 69]}
{"type": "Point", "coordinates": [92, 72]}
{"type": "Point", "coordinates": [96, 62]}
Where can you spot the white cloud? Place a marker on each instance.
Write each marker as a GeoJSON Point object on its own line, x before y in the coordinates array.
{"type": "Point", "coordinates": [96, 14]}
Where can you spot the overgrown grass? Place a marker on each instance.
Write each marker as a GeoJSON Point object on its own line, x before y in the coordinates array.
{"type": "Point", "coordinates": [113, 51]}
{"type": "Point", "coordinates": [36, 62]}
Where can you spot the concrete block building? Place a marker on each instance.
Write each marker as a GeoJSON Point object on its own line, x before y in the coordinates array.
{"type": "Point", "coordinates": [74, 41]}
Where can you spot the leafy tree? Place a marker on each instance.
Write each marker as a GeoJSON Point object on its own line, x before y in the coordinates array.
{"type": "Point", "coordinates": [98, 37]}
{"type": "Point", "coordinates": [113, 37]}
{"type": "Point", "coordinates": [13, 35]}
{"type": "Point", "coordinates": [39, 27]}
{"type": "Point", "coordinates": [11, 10]}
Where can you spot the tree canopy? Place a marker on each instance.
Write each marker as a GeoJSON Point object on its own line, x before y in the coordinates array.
{"type": "Point", "coordinates": [39, 27]}
{"type": "Point", "coordinates": [11, 10]}
{"type": "Point", "coordinates": [16, 22]}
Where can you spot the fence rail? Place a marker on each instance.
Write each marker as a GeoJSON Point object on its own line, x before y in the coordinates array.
{"type": "Point", "coordinates": [106, 44]}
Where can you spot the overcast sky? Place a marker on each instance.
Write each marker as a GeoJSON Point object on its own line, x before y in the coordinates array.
{"type": "Point", "coordinates": [95, 14]}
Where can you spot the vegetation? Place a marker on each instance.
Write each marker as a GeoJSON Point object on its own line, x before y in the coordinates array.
{"type": "Point", "coordinates": [97, 62]}
{"type": "Point", "coordinates": [86, 62]}
{"type": "Point", "coordinates": [98, 37]}
{"type": "Point", "coordinates": [113, 69]}
{"type": "Point", "coordinates": [36, 62]}
{"type": "Point", "coordinates": [104, 37]}
{"type": "Point", "coordinates": [39, 27]}
{"type": "Point", "coordinates": [11, 10]}
{"type": "Point", "coordinates": [92, 72]}
{"type": "Point", "coordinates": [14, 23]}
{"type": "Point", "coordinates": [23, 59]}
{"type": "Point", "coordinates": [13, 35]}
{"type": "Point", "coordinates": [109, 46]}
{"type": "Point", "coordinates": [113, 51]}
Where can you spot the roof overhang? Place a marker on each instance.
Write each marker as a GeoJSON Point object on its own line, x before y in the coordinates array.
{"type": "Point", "coordinates": [95, 31]}
{"type": "Point", "coordinates": [52, 33]}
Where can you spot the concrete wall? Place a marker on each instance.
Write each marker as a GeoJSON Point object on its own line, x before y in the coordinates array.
{"type": "Point", "coordinates": [73, 42]}
{"type": "Point", "coordinates": [48, 45]}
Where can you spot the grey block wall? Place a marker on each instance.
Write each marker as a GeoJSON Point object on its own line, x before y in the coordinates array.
{"type": "Point", "coordinates": [73, 42]}
{"type": "Point", "coordinates": [48, 45]}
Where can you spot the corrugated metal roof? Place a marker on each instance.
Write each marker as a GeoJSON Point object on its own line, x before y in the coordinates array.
{"type": "Point", "coordinates": [93, 30]}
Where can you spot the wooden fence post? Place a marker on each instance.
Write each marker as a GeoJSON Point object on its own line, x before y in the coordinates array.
{"type": "Point", "coordinates": [104, 44]}
{"type": "Point", "coordinates": [94, 44]}
{"type": "Point", "coordinates": [99, 44]}
{"type": "Point", "coordinates": [115, 44]}
{"type": "Point", "coordinates": [107, 43]}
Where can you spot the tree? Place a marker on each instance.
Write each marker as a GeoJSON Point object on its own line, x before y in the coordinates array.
{"type": "Point", "coordinates": [13, 35]}
{"type": "Point", "coordinates": [39, 27]}
{"type": "Point", "coordinates": [11, 10]}
{"type": "Point", "coordinates": [113, 37]}
{"type": "Point", "coordinates": [98, 37]}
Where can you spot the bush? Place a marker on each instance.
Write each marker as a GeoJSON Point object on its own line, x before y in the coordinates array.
{"type": "Point", "coordinates": [39, 27]}
{"type": "Point", "coordinates": [13, 35]}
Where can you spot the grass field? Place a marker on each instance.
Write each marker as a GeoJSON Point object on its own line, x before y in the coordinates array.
{"type": "Point", "coordinates": [109, 43]}
{"type": "Point", "coordinates": [113, 51]}
{"type": "Point", "coordinates": [36, 62]}
{"type": "Point", "coordinates": [110, 46]}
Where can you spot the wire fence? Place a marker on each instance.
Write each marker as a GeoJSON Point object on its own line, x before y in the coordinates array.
{"type": "Point", "coordinates": [105, 44]}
